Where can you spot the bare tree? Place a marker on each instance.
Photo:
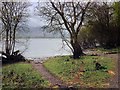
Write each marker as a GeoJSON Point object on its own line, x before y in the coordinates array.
{"type": "Point", "coordinates": [12, 15]}
{"type": "Point", "coordinates": [66, 16]}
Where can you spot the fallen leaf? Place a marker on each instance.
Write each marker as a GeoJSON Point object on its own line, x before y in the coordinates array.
{"type": "Point", "coordinates": [55, 86]}
{"type": "Point", "coordinates": [111, 72]}
{"type": "Point", "coordinates": [106, 84]}
{"type": "Point", "coordinates": [81, 73]}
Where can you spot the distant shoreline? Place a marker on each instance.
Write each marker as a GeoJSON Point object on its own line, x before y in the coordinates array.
{"type": "Point", "coordinates": [40, 38]}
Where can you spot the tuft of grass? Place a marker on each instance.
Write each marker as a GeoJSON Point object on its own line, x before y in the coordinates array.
{"type": "Point", "coordinates": [22, 75]}
{"type": "Point", "coordinates": [81, 72]}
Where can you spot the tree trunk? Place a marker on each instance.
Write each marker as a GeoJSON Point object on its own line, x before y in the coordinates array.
{"type": "Point", "coordinates": [7, 43]}
{"type": "Point", "coordinates": [77, 51]}
{"type": "Point", "coordinates": [14, 37]}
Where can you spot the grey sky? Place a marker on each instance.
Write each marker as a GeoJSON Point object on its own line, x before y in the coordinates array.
{"type": "Point", "coordinates": [35, 23]}
{"type": "Point", "coordinates": [34, 20]}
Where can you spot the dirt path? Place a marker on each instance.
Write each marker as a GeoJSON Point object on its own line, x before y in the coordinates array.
{"type": "Point", "coordinates": [48, 76]}
{"type": "Point", "coordinates": [114, 81]}
{"type": "Point", "coordinates": [57, 82]}
{"type": "Point", "coordinates": [119, 70]}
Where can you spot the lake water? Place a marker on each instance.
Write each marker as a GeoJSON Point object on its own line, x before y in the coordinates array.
{"type": "Point", "coordinates": [42, 47]}
{"type": "Point", "coordinates": [38, 48]}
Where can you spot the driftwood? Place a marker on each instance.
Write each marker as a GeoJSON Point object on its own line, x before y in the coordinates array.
{"type": "Point", "coordinates": [15, 57]}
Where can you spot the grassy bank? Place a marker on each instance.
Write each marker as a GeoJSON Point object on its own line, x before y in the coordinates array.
{"type": "Point", "coordinates": [113, 50]}
{"type": "Point", "coordinates": [71, 71]}
{"type": "Point", "coordinates": [22, 75]}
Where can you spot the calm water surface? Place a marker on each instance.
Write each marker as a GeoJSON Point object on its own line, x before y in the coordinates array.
{"type": "Point", "coordinates": [40, 47]}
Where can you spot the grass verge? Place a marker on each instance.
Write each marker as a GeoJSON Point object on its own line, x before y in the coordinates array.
{"type": "Point", "coordinates": [113, 50]}
{"type": "Point", "coordinates": [71, 71]}
{"type": "Point", "coordinates": [22, 75]}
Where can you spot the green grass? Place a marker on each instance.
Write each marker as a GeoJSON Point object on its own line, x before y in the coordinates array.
{"type": "Point", "coordinates": [22, 75]}
{"type": "Point", "coordinates": [109, 50]}
{"type": "Point", "coordinates": [69, 71]}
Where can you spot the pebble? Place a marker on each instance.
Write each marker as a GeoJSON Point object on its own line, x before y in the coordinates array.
{"type": "Point", "coordinates": [38, 60]}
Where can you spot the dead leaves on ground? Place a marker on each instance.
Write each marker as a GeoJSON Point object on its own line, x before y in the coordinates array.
{"type": "Point", "coordinates": [111, 72]}
{"type": "Point", "coordinates": [77, 77]}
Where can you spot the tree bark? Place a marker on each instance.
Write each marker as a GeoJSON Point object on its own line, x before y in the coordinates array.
{"type": "Point", "coordinates": [77, 51]}
{"type": "Point", "coordinates": [6, 43]}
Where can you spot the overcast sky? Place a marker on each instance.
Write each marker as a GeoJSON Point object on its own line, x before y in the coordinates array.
{"type": "Point", "coordinates": [34, 20]}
